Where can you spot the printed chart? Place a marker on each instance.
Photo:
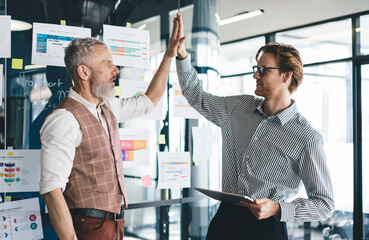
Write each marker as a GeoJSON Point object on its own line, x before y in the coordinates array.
{"type": "Point", "coordinates": [135, 147]}
{"type": "Point", "coordinates": [128, 46]}
{"type": "Point", "coordinates": [181, 108]}
{"type": "Point", "coordinates": [20, 170]}
{"type": "Point", "coordinates": [174, 170]}
{"type": "Point", "coordinates": [21, 220]}
{"type": "Point", "coordinates": [50, 40]}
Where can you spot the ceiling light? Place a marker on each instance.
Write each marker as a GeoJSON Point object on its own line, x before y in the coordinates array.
{"type": "Point", "coordinates": [241, 16]}
{"type": "Point", "coordinates": [17, 25]}
{"type": "Point", "coordinates": [142, 26]}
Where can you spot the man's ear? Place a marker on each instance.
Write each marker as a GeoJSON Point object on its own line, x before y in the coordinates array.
{"type": "Point", "coordinates": [83, 72]}
{"type": "Point", "coordinates": [287, 76]}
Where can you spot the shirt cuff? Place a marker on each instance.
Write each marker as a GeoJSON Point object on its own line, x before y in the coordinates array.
{"type": "Point", "coordinates": [48, 186]}
{"type": "Point", "coordinates": [183, 65]}
{"type": "Point", "coordinates": [287, 211]}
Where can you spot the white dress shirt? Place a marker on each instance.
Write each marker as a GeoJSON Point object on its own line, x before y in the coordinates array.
{"type": "Point", "coordinates": [61, 135]}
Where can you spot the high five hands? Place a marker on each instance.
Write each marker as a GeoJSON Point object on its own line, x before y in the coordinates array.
{"type": "Point", "coordinates": [176, 42]}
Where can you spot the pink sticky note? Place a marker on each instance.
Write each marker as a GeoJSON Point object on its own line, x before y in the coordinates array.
{"type": "Point", "coordinates": [146, 181]}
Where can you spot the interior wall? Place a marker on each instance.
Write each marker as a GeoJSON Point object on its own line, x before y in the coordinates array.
{"type": "Point", "coordinates": [282, 14]}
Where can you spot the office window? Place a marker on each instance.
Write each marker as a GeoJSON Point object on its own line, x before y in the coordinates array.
{"type": "Point", "coordinates": [324, 98]}
{"type": "Point", "coordinates": [239, 57]}
{"type": "Point", "coordinates": [365, 137]}
{"type": "Point", "coordinates": [244, 84]}
{"type": "Point", "coordinates": [364, 34]}
{"type": "Point", "coordinates": [320, 43]}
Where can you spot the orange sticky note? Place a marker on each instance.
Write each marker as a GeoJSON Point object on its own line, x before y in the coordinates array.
{"type": "Point", "coordinates": [17, 63]}
{"type": "Point", "coordinates": [146, 181]}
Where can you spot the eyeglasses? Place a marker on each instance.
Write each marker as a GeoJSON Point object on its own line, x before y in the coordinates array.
{"type": "Point", "coordinates": [261, 69]}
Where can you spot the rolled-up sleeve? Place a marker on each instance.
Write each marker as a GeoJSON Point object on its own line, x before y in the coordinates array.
{"type": "Point", "coordinates": [128, 108]}
{"type": "Point", "coordinates": [60, 135]}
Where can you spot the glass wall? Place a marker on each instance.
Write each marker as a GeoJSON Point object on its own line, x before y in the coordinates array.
{"type": "Point", "coordinates": [365, 147]}
{"type": "Point", "coordinates": [325, 98]}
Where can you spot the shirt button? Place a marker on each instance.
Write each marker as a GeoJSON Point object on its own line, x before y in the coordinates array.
{"type": "Point", "coordinates": [265, 120]}
{"type": "Point", "coordinates": [256, 138]}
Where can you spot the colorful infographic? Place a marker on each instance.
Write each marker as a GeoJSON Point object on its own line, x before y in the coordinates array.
{"type": "Point", "coordinates": [50, 40]}
{"type": "Point", "coordinates": [174, 170]}
{"type": "Point", "coordinates": [20, 220]}
{"type": "Point", "coordinates": [132, 88]}
{"type": "Point", "coordinates": [181, 108]}
{"type": "Point", "coordinates": [20, 170]}
{"type": "Point", "coordinates": [128, 46]}
{"type": "Point", "coordinates": [135, 147]}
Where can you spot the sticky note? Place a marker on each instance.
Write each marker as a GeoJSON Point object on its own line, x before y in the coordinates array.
{"type": "Point", "coordinates": [8, 198]}
{"type": "Point", "coordinates": [146, 181]}
{"type": "Point", "coordinates": [118, 91]}
{"type": "Point", "coordinates": [63, 22]}
{"type": "Point", "coordinates": [128, 24]}
{"type": "Point", "coordinates": [161, 139]}
{"type": "Point", "coordinates": [10, 153]}
{"type": "Point", "coordinates": [17, 63]}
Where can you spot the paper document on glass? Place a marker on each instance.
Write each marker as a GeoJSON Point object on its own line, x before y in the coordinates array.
{"type": "Point", "coordinates": [20, 170]}
{"type": "Point", "coordinates": [224, 196]}
{"type": "Point", "coordinates": [181, 108]}
{"type": "Point", "coordinates": [174, 170]}
{"type": "Point", "coordinates": [5, 37]}
{"type": "Point", "coordinates": [21, 220]}
{"type": "Point", "coordinates": [128, 46]}
{"type": "Point", "coordinates": [50, 40]}
{"type": "Point", "coordinates": [132, 88]}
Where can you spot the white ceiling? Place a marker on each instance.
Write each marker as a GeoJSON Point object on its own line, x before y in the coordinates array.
{"type": "Point", "coordinates": [281, 14]}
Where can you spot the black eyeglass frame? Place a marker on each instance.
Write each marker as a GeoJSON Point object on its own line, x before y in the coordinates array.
{"type": "Point", "coordinates": [261, 69]}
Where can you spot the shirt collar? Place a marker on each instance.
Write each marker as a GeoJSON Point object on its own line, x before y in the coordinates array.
{"type": "Point", "coordinates": [284, 116]}
{"type": "Point", "coordinates": [73, 94]}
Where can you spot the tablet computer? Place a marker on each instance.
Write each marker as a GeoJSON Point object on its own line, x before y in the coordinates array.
{"type": "Point", "coordinates": [224, 196]}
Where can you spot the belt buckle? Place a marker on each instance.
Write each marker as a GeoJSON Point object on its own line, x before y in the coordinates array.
{"type": "Point", "coordinates": [115, 217]}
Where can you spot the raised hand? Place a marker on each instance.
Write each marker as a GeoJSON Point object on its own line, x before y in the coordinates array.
{"type": "Point", "coordinates": [176, 39]}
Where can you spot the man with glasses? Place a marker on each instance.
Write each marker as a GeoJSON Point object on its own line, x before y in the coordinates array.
{"type": "Point", "coordinates": [269, 149]}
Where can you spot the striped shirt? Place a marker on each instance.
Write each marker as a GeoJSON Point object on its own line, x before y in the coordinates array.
{"type": "Point", "coordinates": [265, 156]}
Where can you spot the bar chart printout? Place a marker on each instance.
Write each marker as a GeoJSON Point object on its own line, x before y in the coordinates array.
{"type": "Point", "coordinates": [174, 170]}
{"type": "Point", "coordinates": [128, 46]}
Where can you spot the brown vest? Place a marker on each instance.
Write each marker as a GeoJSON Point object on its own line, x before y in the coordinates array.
{"type": "Point", "coordinates": [96, 180]}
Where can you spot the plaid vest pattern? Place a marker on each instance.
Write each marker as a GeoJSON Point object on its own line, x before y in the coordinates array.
{"type": "Point", "coordinates": [96, 180]}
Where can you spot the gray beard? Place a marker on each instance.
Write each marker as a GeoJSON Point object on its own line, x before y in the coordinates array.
{"type": "Point", "coordinates": [102, 90]}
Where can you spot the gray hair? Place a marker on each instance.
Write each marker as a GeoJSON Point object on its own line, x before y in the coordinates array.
{"type": "Point", "coordinates": [78, 52]}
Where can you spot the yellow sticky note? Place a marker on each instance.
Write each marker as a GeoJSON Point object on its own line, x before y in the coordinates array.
{"type": "Point", "coordinates": [17, 63]}
{"type": "Point", "coordinates": [128, 24]}
{"type": "Point", "coordinates": [118, 91]}
{"type": "Point", "coordinates": [8, 198]}
{"type": "Point", "coordinates": [10, 153]}
{"type": "Point", "coordinates": [63, 22]}
{"type": "Point", "coordinates": [161, 139]}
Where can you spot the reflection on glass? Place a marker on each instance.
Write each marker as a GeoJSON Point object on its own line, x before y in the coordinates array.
{"type": "Point", "coordinates": [239, 57]}
{"type": "Point", "coordinates": [364, 34]}
{"type": "Point", "coordinates": [237, 85]}
{"type": "Point", "coordinates": [365, 137]}
{"type": "Point", "coordinates": [320, 43]}
{"type": "Point", "coordinates": [324, 98]}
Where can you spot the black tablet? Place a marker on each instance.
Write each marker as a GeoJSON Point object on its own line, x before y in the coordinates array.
{"type": "Point", "coordinates": [224, 196]}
